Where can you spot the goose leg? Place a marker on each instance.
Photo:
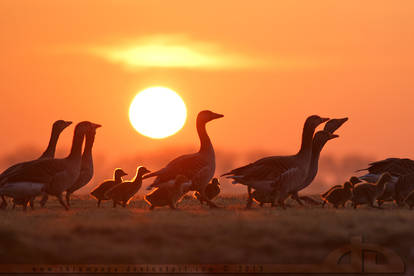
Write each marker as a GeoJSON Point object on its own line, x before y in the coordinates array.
{"type": "Point", "coordinates": [59, 197]}
{"type": "Point", "coordinates": [99, 203]}
{"type": "Point", "coordinates": [172, 206]}
{"type": "Point", "coordinates": [68, 198]}
{"type": "Point", "coordinates": [25, 206]}
{"type": "Point", "coordinates": [3, 203]}
{"type": "Point", "coordinates": [31, 202]}
{"type": "Point", "coordinates": [323, 204]}
{"type": "Point", "coordinates": [44, 200]}
{"type": "Point", "coordinates": [249, 199]}
{"type": "Point", "coordinates": [295, 196]}
{"type": "Point", "coordinates": [124, 204]}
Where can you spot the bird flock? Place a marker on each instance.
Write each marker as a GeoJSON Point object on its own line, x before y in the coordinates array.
{"type": "Point", "coordinates": [269, 180]}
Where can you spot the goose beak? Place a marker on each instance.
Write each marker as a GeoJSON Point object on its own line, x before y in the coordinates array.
{"type": "Point", "coordinates": [323, 120]}
{"type": "Point", "coordinates": [334, 124]}
{"type": "Point", "coordinates": [333, 136]}
{"type": "Point", "coordinates": [96, 125]}
{"type": "Point", "coordinates": [68, 123]}
{"type": "Point", "coordinates": [216, 116]}
{"type": "Point", "coordinates": [146, 171]}
{"type": "Point", "coordinates": [123, 173]}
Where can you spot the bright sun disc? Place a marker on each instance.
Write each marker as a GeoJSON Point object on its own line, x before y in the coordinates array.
{"type": "Point", "coordinates": [157, 112]}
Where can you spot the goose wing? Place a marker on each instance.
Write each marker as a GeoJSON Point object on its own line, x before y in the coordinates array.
{"type": "Point", "coordinates": [102, 188]}
{"type": "Point", "coordinates": [40, 171]}
{"type": "Point", "coordinates": [122, 191]}
{"type": "Point", "coordinates": [188, 165]}
{"type": "Point", "coordinates": [265, 168]}
{"type": "Point", "coordinates": [395, 166]}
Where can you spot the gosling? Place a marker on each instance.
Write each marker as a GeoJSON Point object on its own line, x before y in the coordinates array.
{"type": "Point", "coordinates": [23, 202]}
{"type": "Point", "coordinates": [167, 195]}
{"type": "Point", "coordinates": [368, 193]}
{"type": "Point", "coordinates": [212, 190]}
{"type": "Point", "coordinates": [122, 193]}
{"type": "Point", "coordinates": [353, 180]}
{"type": "Point", "coordinates": [99, 192]}
{"type": "Point", "coordinates": [262, 197]}
{"type": "Point", "coordinates": [338, 196]}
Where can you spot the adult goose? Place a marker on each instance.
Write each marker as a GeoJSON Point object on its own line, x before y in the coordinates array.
{"type": "Point", "coordinates": [198, 167]}
{"type": "Point", "coordinates": [286, 170]}
{"type": "Point", "coordinates": [57, 128]}
{"type": "Point", "coordinates": [86, 172]}
{"type": "Point", "coordinates": [52, 175]}
{"type": "Point", "coordinates": [319, 141]}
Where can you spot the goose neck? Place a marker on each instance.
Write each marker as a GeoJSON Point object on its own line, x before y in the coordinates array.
{"type": "Point", "coordinates": [51, 147]}
{"type": "Point", "coordinates": [76, 150]}
{"type": "Point", "coordinates": [306, 144]}
{"type": "Point", "coordinates": [205, 142]}
{"type": "Point", "coordinates": [87, 152]}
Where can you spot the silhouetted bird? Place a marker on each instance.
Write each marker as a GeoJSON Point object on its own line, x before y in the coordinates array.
{"type": "Point", "coordinates": [212, 190]}
{"type": "Point", "coordinates": [122, 193]}
{"type": "Point", "coordinates": [338, 196]}
{"type": "Point", "coordinates": [99, 192]}
{"type": "Point", "coordinates": [54, 175]}
{"type": "Point", "coordinates": [57, 129]}
{"type": "Point", "coordinates": [198, 167]}
{"type": "Point", "coordinates": [168, 195]}
{"type": "Point", "coordinates": [289, 170]}
{"type": "Point", "coordinates": [367, 193]}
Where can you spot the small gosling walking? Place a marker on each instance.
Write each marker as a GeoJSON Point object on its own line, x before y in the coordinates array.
{"type": "Point", "coordinates": [165, 195]}
{"type": "Point", "coordinates": [368, 193]}
{"type": "Point", "coordinates": [99, 192]}
{"type": "Point", "coordinates": [338, 196]}
{"type": "Point", "coordinates": [122, 193]}
{"type": "Point", "coordinates": [212, 190]}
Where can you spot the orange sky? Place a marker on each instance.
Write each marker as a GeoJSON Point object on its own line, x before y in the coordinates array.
{"type": "Point", "coordinates": [276, 62]}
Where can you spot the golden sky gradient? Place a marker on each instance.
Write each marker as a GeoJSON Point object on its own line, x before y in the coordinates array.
{"type": "Point", "coordinates": [265, 65]}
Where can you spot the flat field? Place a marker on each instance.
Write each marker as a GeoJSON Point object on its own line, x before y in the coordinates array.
{"type": "Point", "coordinates": [194, 234]}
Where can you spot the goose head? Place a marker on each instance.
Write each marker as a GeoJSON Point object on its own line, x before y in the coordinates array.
{"type": "Point", "coordinates": [86, 127]}
{"type": "Point", "coordinates": [354, 180]}
{"type": "Point", "coordinates": [60, 125]}
{"type": "Point", "coordinates": [320, 139]}
{"type": "Point", "coordinates": [215, 182]}
{"type": "Point", "coordinates": [348, 185]}
{"type": "Point", "coordinates": [119, 173]}
{"type": "Point", "coordinates": [334, 124]}
{"type": "Point", "coordinates": [314, 121]}
{"type": "Point", "coordinates": [141, 170]}
{"type": "Point", "coordinates": [207, 116]}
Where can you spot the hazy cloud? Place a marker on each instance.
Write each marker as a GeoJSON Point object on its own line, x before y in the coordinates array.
{"type": "Point", "coordinates": [176, 51]}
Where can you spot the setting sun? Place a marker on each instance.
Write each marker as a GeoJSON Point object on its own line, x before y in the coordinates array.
{"type": "Point", "coordinates": [157, 112]}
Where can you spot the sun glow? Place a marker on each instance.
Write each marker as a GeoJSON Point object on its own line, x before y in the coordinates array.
{"type": "Point", "coordinates": [157, 112]}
